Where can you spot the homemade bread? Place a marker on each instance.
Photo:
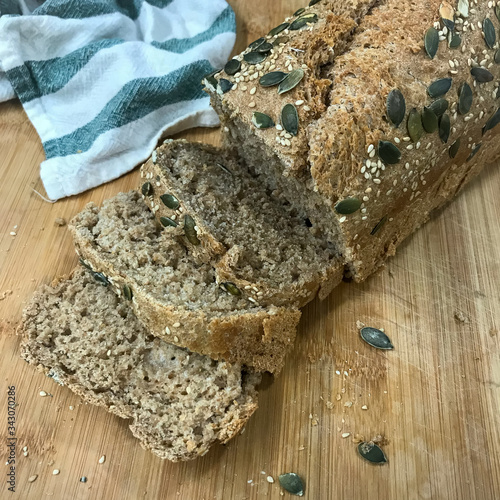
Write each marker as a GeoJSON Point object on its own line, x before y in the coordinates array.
{"type": "Point", "coordinates": [383, 112]}
{"type": "Point", "coordinates": [177, 299]}
{"type": "Point", "coordinates": [256, 241]}
{"type": "Point", "coordinates": [83, 336]}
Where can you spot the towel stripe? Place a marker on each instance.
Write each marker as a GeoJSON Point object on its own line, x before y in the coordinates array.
{"type": "Point", "coordinates": [38, 78]}
{"type": "Point", "coordinates": [136, 99]}
{"type": "Point", "coordinates": [78, 9]}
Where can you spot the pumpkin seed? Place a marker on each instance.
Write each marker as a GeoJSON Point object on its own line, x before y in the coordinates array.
{"type": "Point", "coordinates": [170, 201]}
{"type": "Point", "coordinates": [376, 338]}
{"type": "Point", "coordinates": [230, 288]}
{"type": "Point", "coordinates": [190, 231]}
{"type": "Point", "coordinates": [490, 36]}
{"type": "Point", "coordinates": [474, 151]}
{"type": "Point", "coordinates": [439, 107]}
{"type": "Point", "coordinates": [279, 40]}
{"type": "Point", "coordinates": [396, 107]}
{"type": "Point", "coordinates": [211, 83]}
{"type": "Point", "coordinates": [220, 165]}
{"type": "Point", "coordinates": [100, 278]}
{"type": "Point", "coordinates": [290, 119]}
{"type": "Point", "coordinates": [388, 152]}
{"type": "Point", "coordinates": [224, 86]}
{"type": "Point", "coordinates": [232, 67]}
{"type": "Point", "coordinates": [85, 265]}
{"type": "Point", "coordinates": [272, 79]}
{"type": "Point", "coordinates": [454, 40]}
{"type": "Point", "coordinates": [414, 125]}
{"type": "Point", "coordinates": [348, 206]}
{"type": "Point", "coordinates": [147, 189]}
{"type": "Point", "coordinates": [444, 128]}
{"type": "Point", "coordinates": [464, 98]}
{"type": "Point", "coordinates": [439, 87]}
{"type": "Point", "coordinates": [492, 122]}
{"type": "Point", "coordinates": [429, 120]}
{"type": "Point", "coordinates": [481, 75]}
{"type": "Point", "coordinates": [291, 81]}
{"type": "Point", "coordinates": [290, 481]}
{"type": "Point", "coordinates": [454, 148]}
{"type": "Point", "coordinates": [496, 57]}
{"type": "Point", "coordinates": [254, 57]}
{"type": "Point", "coordinates": [264, 47]}
{"type": "Point", "coordinates": [379, 224]}
{"type": "Point", "coordinates": [300, 22]}
{"type": "Point", "coordinates": [256, 43]}
{"type": "Point", "coordinates": [300, 11]}
{"type": "Point", "coordinates": [498, 93]}
{"type": "Point", "coordinates": [463, 8]}
{"type": "Point", "coordinates": [278, 29]}
{"type": "Point", "coordinates": [372, 452]}
{"type": "Point", "coordinates": [431, 42]}
{"type": "Point", "coordinates": [261, 120]}
{"type": "Point", "coordinates": [447, 13]}
{"type": "Point", "coordinates": [497, 11]}
{"type": "Point", "coordinates": [168, 222]}
{"type": "Point", "coordinates": [127, 292]}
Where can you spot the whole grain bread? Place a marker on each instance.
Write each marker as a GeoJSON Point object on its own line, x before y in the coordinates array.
{"type": "Point", "coordinates": [255, 241]}
{"type": "Point", "coordinates": [176, 298]}
{"type": "Point", "coordinates": [83, 336]}
{"type": "Point", "coordinates": [365, 177]}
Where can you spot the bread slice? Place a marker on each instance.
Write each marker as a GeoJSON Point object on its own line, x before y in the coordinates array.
{"type": "Point", "coordinates": [257, 241]}
{"type": "Point", "coordinates": [365, 175]}
{"type": "Point", "coordinates": [177, 299]}
{"type": "Point", "coordinates": [83, 336]}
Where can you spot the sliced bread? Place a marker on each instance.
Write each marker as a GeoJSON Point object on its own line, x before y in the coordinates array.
{"type": "Point", "coordinates": [257, 241]}
{"type": "Point", "coordinates": [174, 297]}
{"type": "Point", "coordinates": [82, 335]}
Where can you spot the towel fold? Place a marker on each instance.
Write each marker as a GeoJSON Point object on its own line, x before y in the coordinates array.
{"type": "Point", "coordinates": [102, 80]}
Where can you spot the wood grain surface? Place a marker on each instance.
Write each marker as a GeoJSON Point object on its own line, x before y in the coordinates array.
{"type": "Point", "coordinates": [434, 402]}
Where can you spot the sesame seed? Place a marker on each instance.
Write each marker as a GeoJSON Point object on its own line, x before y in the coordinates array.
{"type": "Point", "coordinates": [176, 325]}
{"type": "Point", "coordinates": [176, 339]}
{"type": "Point", "coordinates": [279, 127]}
{"type": "Point", "coordinates": [167, 330]}
{"type": "Point", "coordinates": [102, 459]}
{"type": "Point", "coordinates": [342, 219]}
{"type": "Point", "coordinates": [371, 147]}
{"type": "Point", "coordinates": [364, 407]}
{"type": "Point", "coordinates": [270, 479]}
{"type": "Point", "coordinates": [253, 90]}
{"type": "Point", "coordinates": [346, 434]}
{"type": "Point", "coordinates": [377, 181]}
{"type": "Point", "coordinates": [252, 105]}
{"type": "Point", "coordinates": [13, 233]}
{"type": "Point", "coordinates": [55, 472]}
{"type": "Point", "coordinates": [43, 394]}
{"type": "Point", "coordinates": [299, 102]}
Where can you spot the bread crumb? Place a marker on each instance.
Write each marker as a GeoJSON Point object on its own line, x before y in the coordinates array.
{"type": "Point", "coordinates": [270, 479]}
{"type": "Point", "coordinates": [60, 221]}
{"type": "Point", "coordinates": [358, 438]}
{"type": "Point", "coordinates": [348, 404]}
{"type": "Point", "coordinates": [5, 294]}
{"type": "Point", "coordinates": [329, 405]}
{"type": "Point", "coordinates": [460, 316]}
{"type": "Point", "coordinates": [302, 447]}
{"type": "Point", "coordinates": [364, 407]}
{"type": "Point", "coordinates": [314, 422]}
{"type": "Point", "coordinates": [338, 397]}
{"type": "Point", "coordinates": [359, 325]}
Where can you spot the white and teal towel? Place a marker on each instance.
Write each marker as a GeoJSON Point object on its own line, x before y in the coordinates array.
{"type": "Point", "coordinates": [102, 80]}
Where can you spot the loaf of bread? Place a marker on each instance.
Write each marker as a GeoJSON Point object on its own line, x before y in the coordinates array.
{"type": "Point", "coordinates": [366, 115]}
{"type": "Point", "coordinates": [176, 298]}
{"type": "Point", "coordinates": [83, 336]}
{"type": "Point", "coordinates": [257, 242]}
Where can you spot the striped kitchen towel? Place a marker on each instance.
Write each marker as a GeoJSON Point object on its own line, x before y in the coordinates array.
{"type": "Point", "coordinates": [102, 80]}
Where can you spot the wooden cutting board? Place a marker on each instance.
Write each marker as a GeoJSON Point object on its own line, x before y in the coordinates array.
{"type": "Point", "coordinates": [433, 402]}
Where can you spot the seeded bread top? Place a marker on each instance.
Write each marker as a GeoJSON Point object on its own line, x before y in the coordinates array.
{"type": "Point", "coordinates": [88, 339]}
{"type": "Point", "coordinates": [347, 148]}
